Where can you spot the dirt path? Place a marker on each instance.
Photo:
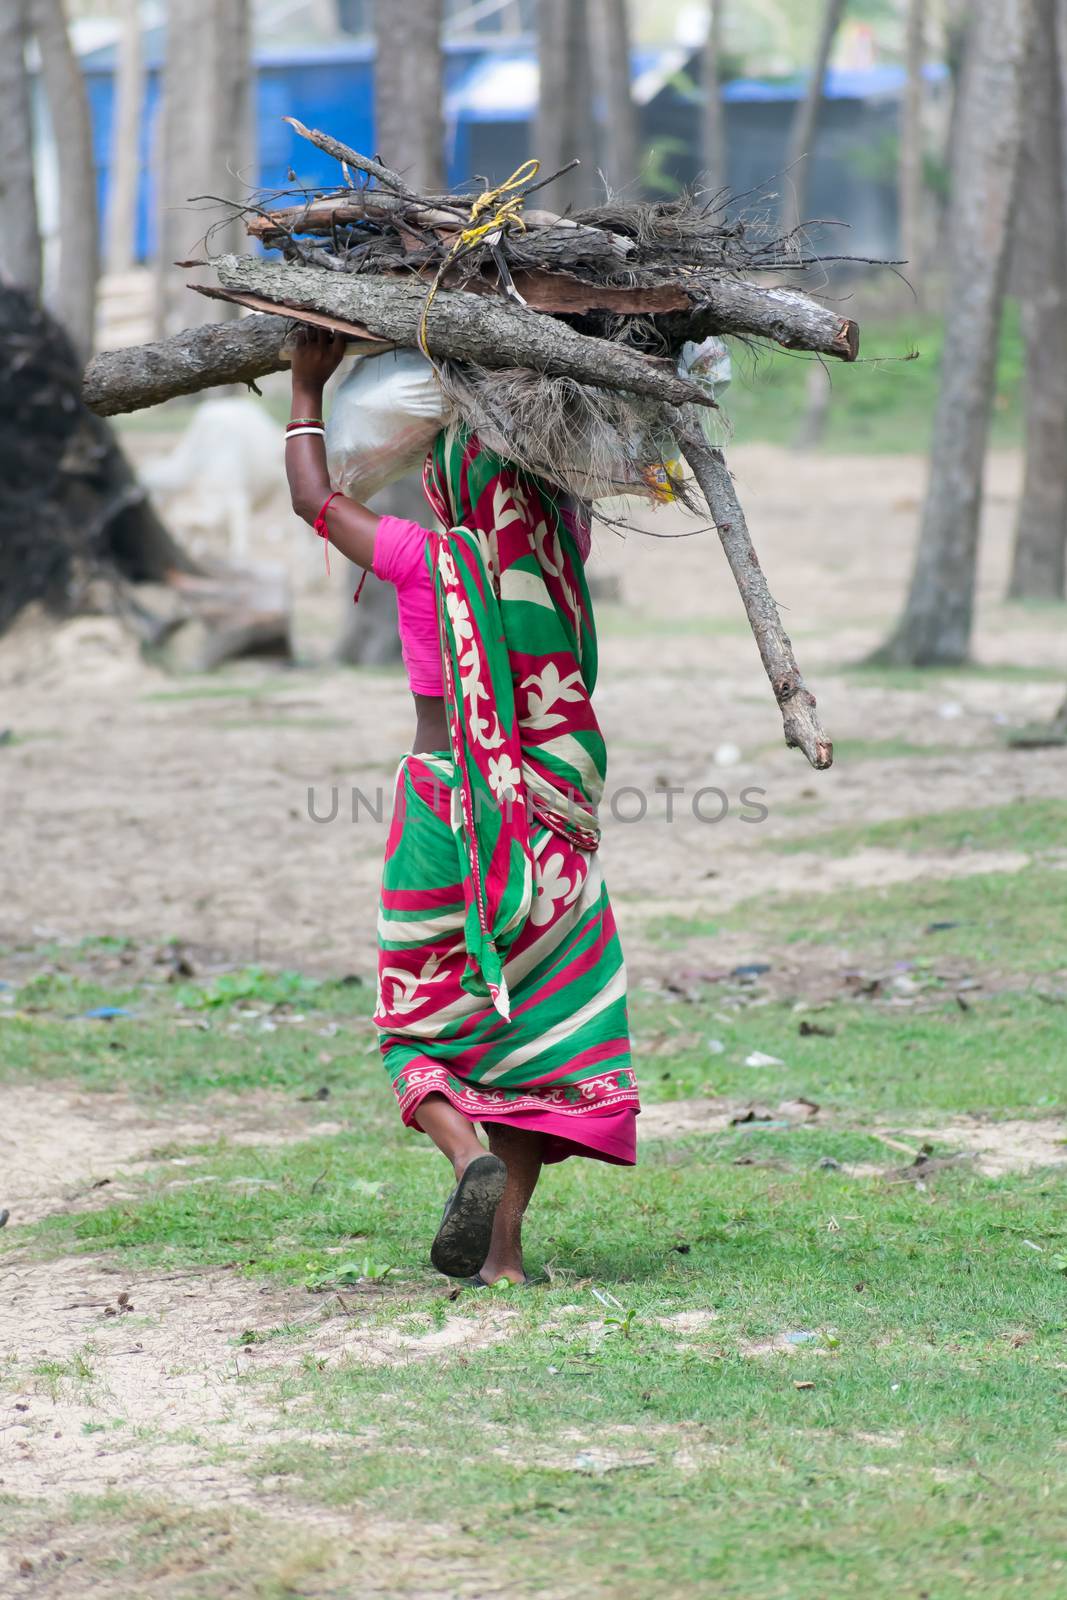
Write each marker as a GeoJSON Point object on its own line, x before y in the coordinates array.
{"type": "Point", "coordinates": [138, 804]}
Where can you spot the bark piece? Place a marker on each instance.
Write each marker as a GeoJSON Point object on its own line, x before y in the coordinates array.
{"type": "Point", "coordinates": [256, 302]}
{"type": "Point", "coordinates": [800, 717]}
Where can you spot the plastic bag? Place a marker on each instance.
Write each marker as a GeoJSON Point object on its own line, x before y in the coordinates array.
{"type": "Point", "coordinates": [385, 416]}
{"type": "Point", "coordinates": [710, 366]}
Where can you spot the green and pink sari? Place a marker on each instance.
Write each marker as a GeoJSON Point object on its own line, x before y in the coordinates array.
{"type": "Point", "coordinates": [501, 982]}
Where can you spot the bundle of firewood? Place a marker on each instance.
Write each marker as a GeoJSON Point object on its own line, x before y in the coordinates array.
{"type": "Point", "coordinates": [594, 307]}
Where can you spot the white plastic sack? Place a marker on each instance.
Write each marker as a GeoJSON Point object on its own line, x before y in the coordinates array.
{"type": "Point", "coordinates": [385, 416]}
{"type": "Point", "coordinates": [710, 366]}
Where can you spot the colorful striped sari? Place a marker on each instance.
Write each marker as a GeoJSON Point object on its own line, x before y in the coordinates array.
{"type": "Point", "coordinates": [501, 979]}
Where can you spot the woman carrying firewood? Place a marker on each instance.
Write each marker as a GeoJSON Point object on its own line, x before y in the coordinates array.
{"type": "Point", "coordinates": [501, 988]}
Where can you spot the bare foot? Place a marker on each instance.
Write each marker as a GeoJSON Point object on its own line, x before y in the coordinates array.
{"type": "Point", "coordinates": [493, 1271]}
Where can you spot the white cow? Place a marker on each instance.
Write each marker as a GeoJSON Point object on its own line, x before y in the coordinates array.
{"type": "Point", "coordinates": [229, 463]}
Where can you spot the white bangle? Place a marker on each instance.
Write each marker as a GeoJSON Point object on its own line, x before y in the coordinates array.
{"type": "Point", "coordinates": [295, 433]}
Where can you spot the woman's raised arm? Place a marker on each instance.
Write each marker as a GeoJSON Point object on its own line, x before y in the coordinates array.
{"type": "Point", "coordinates": [349, 526]}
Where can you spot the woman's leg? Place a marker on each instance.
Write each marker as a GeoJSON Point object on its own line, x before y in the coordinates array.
{"type": "Point", "coordinates": [450, 1131]}
{"type": "Point", "coordinates": [522, 1152]}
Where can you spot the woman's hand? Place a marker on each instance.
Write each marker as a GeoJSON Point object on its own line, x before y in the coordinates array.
{"type": "Point", "coordinates": [317, 353]}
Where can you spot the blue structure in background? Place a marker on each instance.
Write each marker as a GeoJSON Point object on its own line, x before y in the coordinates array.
{"type": "Point", "coordinates": [490, 103]}
{"type": "Point", "coordinates": [330, 87]}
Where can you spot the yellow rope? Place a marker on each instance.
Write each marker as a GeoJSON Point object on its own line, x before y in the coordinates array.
{"type": "Point", "coordinates": [508, 209]}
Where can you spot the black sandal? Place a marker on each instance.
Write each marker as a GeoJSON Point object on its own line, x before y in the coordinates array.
{"type": "Point", "coordinates": [462, 1241]}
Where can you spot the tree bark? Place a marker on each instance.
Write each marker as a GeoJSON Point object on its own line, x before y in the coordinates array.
{"type": "Point", "coordinates": [565, 128]}
{"type": "Point", "coordinates": [203, 357]}
{"type": "Point", "coordinates": [20, 240]}
{"type": "Point", "coordinates": [199, 358]}
{"type": "Point", "coordinates": [1039, 563]}
{"type": "Point", "coordinates": [619, 153]}
{"type": "Point", "coordinates": [713, 117]}
{"type": "Point", "coordinates": [911, 184]}
{"type": "Point", "coordinates": [74, 296]}
{"type": "Point", "coordinates": [800, 717]}
{"type": "Point", "coordinates": [936, 625]}
{"type": "Point", "coordinates": [460, 326]}
{"type": "Point", "coordinates": [125, 164]}
{"type": "Point", "coordinates": [408, 96]}
{"type": "Point", "coordinates": [800, 150]}
{"type": "Point", "coordinates": [205, 142]}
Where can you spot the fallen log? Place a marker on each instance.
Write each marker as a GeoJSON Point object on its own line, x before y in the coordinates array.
{"type": "Point", "coordinates": [459, 326]}
{"type": "Point", "coordinates": [800, 718]}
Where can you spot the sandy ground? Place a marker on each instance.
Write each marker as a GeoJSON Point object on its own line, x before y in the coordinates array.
{"type": "Point", "coordinates": [133, 803]}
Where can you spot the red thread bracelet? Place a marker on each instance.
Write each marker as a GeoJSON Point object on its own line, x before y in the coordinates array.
{"type": "Point", "coordinates": [322, 530]}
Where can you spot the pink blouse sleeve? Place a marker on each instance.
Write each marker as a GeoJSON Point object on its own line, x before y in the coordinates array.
{"type": "Point", "coordinates": [399, 548]}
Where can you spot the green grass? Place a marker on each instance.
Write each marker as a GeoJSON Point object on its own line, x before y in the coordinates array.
{"type": "Point", "coordinates": [913, 680]}
{"type": "Point", "coordinates": [931, 1331]}
{"type": "Point", "coordinates": [884, 403]}
{"type": "Point", "coordinates": [1032, 826]}
{"type": "Point", "coordinates": [872, 1395]}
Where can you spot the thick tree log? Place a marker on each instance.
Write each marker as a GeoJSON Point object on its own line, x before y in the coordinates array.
{"type": "Point", "coordinates": [800, 717]}
{"type": "Point", "coordinates": [785, 316]}
{"type": "Point", "coordinates": [197, 358]}
{"type": "Point", "coordinates": [460, 326]}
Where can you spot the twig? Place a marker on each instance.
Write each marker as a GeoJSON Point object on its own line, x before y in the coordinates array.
{"type": "Point", "coordinates": [803, 730]}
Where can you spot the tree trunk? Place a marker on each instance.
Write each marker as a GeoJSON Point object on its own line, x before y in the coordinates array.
{"type": "Point", "coordinates": [713, 119]}
{"type": "Point", "coordinates": [205, 143]}
{"type": "Point", "coordinates": [409, 134]}
{"type": "Point", "coordinates": [20, 240]}
{"type": "Point", "coordinates": [408, 94]}
{"type": "Point", "coordinates": [800, 151]}
{"type": "Point", "coordinates": [125, 179]}
{"type": "Point", "coordinates": [564, 111]}
{"type": "Point", "coordinates": [1038, 564]}
{"type": "Point", "coordinates": [911, 186]}
{"type": "Point", "coordinates": [74, 295]}
{"type": "Point", "coordinates": [936, 625]}
{"type": "Point", "coordinates": [619, 154]}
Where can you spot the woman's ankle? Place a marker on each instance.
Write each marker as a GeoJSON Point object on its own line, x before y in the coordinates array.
{"type": "Point", "coordinates": [509, 1267]}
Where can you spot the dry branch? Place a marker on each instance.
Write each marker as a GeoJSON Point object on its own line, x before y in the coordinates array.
{"type": "Point", "coordinates": [800, 717]}
{"type": "Point", "coordinates": [196, 358]}
{"type": "Point", "coordinates": [460, 326]}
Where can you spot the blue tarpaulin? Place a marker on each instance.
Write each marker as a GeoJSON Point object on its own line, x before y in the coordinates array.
{"type": "Point", "coordinates": [486, 84]}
